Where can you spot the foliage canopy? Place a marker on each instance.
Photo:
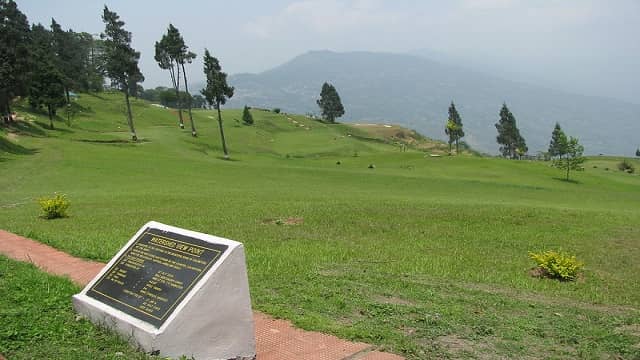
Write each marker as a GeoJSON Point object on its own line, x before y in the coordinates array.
{"type": "Point", "coordinates": [330, 103]}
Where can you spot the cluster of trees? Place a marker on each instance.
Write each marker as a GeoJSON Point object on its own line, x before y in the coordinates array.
{"type": "Point", "coordinates": [512, 144]}
{"type": "Point", "coordinates": [566, 152]}
{"type": "Point", "coordinates": [45, 63]}
{"type": "Point", "coordinates": [168, 97]}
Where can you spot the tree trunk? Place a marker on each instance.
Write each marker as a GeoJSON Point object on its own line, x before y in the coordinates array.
{"type": "Point", "coordinates": [66, 92]}
{"type": "Point", "coordinates": [568, 166]}
{"type": "Point", "coordinates": [178, 102]}
{"type": "Point", "coordinates": [186, 89]}
{"type": "Point", "coordinates": [176, 86]}
{"type": "Point", "coordinates": [8, 108]}
{"type": "Point", "coordinates": [224, 143]}
{"type": "Point", "coordinates": [134, 137]}
{"type": "Point", "coordinates": [457, 147]}
{"type": "Point", "coordinates": [450, 147]}
{"type": "Point", "coordinates": [50, 116]}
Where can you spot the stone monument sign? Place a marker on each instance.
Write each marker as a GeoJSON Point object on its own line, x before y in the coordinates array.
{"type": "Point", "coordinates": [175, 292]}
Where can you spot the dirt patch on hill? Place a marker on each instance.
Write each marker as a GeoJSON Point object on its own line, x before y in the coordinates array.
{"type": "Point", "coordinates": [461, 348]}
{"type": "Point", "coordinates": [398, 135]}
{"type": "Point", "coordinates": [633, 330]}
{"type": "Point", "coordinates": [393, 300]}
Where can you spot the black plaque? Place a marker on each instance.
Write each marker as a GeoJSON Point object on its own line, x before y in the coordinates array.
{"type": "Point", "coordinates": [155, 273]}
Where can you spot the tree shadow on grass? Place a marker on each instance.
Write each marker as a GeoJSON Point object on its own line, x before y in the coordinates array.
{"type": "Point", "coordinates": [571, 181]}
{"type": "Point", "coordinates": [95, 95]}
{"type": "Point", "coordinates": [204, 148]}
{"type": "Point", "coordinates": [208, 149]}
{"type": "Point", "coordinates": [114, 142]}
{"type": "Point", "coordinates": [7, 146]}
{"type": "Point", "coordinates": [56, 127]}
{"type": "Point", "coordinates": [25, 128]}
{"type": "Point", "coordinates": [77, 108]}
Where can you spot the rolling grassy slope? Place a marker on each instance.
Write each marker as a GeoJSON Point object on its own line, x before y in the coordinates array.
{"type": "Point", "coordinates": [424, 256]}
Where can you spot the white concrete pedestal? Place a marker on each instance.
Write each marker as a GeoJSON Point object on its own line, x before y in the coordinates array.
{"type": "Point", "coordinates": [213, 321]}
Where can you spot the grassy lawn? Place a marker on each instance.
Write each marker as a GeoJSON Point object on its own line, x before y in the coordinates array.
{"type": "Point", "coordinates": [426, 257]}
{"type": "Point", "coordinates": [39, 323]}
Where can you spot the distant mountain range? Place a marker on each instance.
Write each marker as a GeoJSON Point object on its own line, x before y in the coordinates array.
{"type": "Point", "coordinates": [415, 92]}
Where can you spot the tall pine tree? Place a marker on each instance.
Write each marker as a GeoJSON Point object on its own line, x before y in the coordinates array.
{"type": "Point", "coordinates": [454, 128]}
{"type": "Point", "coordinates": [330, 103]}
{"type": "Point", "coordinates": [247, 118]}
{"type": "Point", "coordinates": [558, 143]}
{"type": "Point", "coordinates": [512, 144]}
{"type": "Point", "coordinates": [168, 51]}
{"type": "Point", "coordinates": [217, 91]}
{"type": "Point", "coordinates": [121, 60]}
{"type": "Point", "coordinates": [187, 57]}
{"type": "Point", "coordinates": [172, 54]}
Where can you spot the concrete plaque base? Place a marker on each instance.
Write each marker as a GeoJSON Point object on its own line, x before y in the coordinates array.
{"type": "Point", "coordinates": [175, 292]}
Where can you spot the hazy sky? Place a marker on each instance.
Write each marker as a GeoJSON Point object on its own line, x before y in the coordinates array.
{"type": "Point", "coordinates": [585, 46]}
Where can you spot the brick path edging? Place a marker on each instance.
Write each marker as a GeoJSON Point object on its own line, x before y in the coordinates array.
{"type": "Point", "coordinates": [275, 339]}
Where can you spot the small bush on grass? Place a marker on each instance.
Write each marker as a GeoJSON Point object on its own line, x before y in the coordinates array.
{"type": "Point", "coordinates": [55, 207]}
{"type": "Point", "coordinates": [626, 166]}
{"type": "Point", "coordinates": [557, 265]}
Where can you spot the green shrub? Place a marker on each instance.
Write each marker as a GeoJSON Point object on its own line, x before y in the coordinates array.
{"type": "Point", "coordinates": [55, 207]}
{"type": "Point", "coordinates": [626, 166]}
{"type": "Point", "coordinates": [276, 110]}
{"type": "Point", "coordinates": [557, 265]}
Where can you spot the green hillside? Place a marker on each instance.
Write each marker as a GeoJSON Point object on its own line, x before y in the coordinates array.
{"type": "Point", "coordinates": [424, 256]}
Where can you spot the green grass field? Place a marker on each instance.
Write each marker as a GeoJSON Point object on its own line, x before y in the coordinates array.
{"type": "Point", "coordinates": [424, 256]}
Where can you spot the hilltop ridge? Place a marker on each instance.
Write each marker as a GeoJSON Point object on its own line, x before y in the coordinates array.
{"type": "Point", "coordinates": [99, 119]}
